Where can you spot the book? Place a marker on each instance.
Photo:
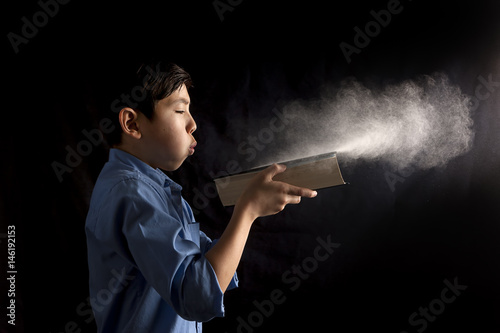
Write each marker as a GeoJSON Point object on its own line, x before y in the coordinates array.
{"type": "Point", "coordinates": [315, 172]}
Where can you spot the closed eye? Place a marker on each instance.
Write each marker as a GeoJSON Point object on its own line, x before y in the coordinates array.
{"type": "Point", "coordinates": [180, 111]}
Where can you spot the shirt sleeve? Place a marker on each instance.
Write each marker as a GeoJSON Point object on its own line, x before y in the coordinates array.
{"type": "Point", "coordinates": [167, 254]}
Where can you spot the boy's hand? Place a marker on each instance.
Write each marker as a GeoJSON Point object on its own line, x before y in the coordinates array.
{"type": "Point", "coordinates": [264, 196]}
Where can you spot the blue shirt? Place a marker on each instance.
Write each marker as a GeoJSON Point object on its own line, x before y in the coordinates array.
{"type": "Point", "coordinates": [147, 268]}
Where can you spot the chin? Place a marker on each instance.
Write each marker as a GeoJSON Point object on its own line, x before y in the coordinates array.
{"type": "Point", "coordinates": [173, 165]}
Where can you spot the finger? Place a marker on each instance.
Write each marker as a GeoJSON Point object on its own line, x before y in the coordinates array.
{"type": "Point", "coordinates": [273, 170]}
{"type": "Point", "coordinates": [294, 199]}
{"type": "Point", "coordinates": [301, 191]}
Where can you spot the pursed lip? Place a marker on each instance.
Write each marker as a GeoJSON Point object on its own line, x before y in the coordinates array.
{"type": "Point", "coordinates": [191, 148]}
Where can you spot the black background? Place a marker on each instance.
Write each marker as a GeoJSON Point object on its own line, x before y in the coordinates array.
{"type": "Point", "coordinates": [397, 245]}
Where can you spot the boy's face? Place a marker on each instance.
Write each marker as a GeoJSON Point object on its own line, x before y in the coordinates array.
{"type": "Point", "coordinates": [167, 136]}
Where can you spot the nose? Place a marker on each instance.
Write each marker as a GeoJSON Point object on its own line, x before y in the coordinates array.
{"type": "Point", "coordinates": [191, 126]}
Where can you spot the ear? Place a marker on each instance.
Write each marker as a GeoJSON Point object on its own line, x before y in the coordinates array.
{"type": "Point", "coordinates": [128, 122]}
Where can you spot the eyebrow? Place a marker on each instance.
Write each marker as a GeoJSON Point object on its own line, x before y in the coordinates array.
{"type": "Point", "coordinates": [180, 100]}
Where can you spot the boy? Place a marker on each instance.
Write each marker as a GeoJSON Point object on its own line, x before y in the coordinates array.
{"type": "Point", "coordinates": [151, 268]}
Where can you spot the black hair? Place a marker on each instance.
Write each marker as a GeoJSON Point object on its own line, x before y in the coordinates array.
{"type": "Point", "coordinates": [152, 83]}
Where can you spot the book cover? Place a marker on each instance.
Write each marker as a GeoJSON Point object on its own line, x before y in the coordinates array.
{"type": "Point", "coordinates": [315, 172]}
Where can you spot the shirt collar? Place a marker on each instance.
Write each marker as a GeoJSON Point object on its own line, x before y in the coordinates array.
{"type": "Point", "coordinates": [156, 175]}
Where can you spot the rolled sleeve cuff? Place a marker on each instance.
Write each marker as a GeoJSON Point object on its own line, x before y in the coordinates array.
{"type": "Point", "coordinates": [234, 282]}
{"type": "Point", "coordinates": [218, 297]}
{"type": "Point", "coordinates": [202, 295]}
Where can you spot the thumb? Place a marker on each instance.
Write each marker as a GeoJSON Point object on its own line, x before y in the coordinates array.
{"type": "Point", "coordinates": [274, 169]}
